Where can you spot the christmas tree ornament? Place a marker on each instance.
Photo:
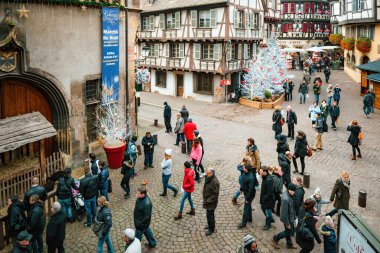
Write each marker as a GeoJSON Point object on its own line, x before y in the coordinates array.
{"type": "Point", "coordinates": [23, 12]}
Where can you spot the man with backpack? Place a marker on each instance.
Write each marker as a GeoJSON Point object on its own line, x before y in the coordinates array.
{"type": "Point", "coordinates": [94, 164]}
{"type": "Point", "coordinates": [64, 192]}
{"type": "Point", "coordinates": [16, 217]}
{"type": "Point", "coordinates": [319, 128]}
{"type": "Point", "coordinates": [103, 177]}
{"type": "Point", "coordinates": [368, 101]}
{"type": "Point", "coordinates": [89, 189]}
{"type": "Point", "coordinates": [35, 189]}
{"type": "Point", "coordinates": [277, 187]}
{"type": "Point", "coordinates": [267, 196]}
{"type": "Point", "coordinates": [132, 151]}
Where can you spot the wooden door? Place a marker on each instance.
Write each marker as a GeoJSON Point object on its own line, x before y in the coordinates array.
{"type": "Point", "coordinates": [17, 98]}
{"type": "Point", "coordinates": [376, 91]}
{"type": "Point", "coordinates": [364, 84]}
{"type": "Point", "coordinates": [179, 85]}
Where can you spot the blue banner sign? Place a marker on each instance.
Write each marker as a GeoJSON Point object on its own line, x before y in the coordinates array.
{"type": "Point", "coordinates": [110, 54]}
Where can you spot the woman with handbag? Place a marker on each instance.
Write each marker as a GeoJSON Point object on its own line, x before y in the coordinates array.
{"type": "Point", "coordinates": [355, 138]}
{"type": "Point", "coordinates": [104, 221]}
{"type": "Point", "coordinates": [306, 231]}
{"type": "Point", "coordinates": [341, 193]}
{"type": "Point", "coordinates": [300, 150]}
{"type": "Point", "coordinates": [277, 121]}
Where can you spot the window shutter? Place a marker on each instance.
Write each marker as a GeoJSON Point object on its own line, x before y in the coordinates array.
{"type": "Point", "coordinates": [177, 20]}
{"type": "Point", "coordinates": [354, 5]}
{"type": "Point", "coordinates": [240, 48]}
{"type": "Point", "coordinates": [181, 50]}
{"type": "Point", "coordinates": [166, 45]}
{"type": "Point", "coordinates": [258, 21]}
{"type": "Point", "coordinates": [284, 28]}
{"type": "Point", "coordinates": [312, 27]}
{"type": "Point", "coordinates": [194, 18]}
{"type": "Point", "coordinates": [229, 53]}
{"type": "Point", "coordinates": [304, 27]}
{"type": "Point", "coordinates": [371, 31]}
{"type": "Point", "coordinates": [251, 19]}
{"type": "Point", "coordinates": [151, 23]}
{"type": "Point", "coordinates": [307, 7]}
{"type": "Point", "coordinates": [213, 18]}
{"type": "Point", "coordinates": [312, 8]}
{"type": "Point", "coordinates": [292, 8]}
{"type": "Point", "coordinates": [246, 20]}
{"type": "Point", "coordinates": [162, 21]}
{"type": "Point", "coordinates": [217, 52]}
{"type": "Point", "coordinates": [236, 19]}
{"type": "Point", "coordinates": [157, 50]}
{"type": "Point", "coordinates": [245, 51]}
{"type": "Point", "coordinates": [197, 51]}
{"type": "Point", "coordinates": [286, 7]}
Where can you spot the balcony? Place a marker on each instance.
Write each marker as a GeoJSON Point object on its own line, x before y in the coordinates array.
{"type": "Point", "coordinates": [175, 63]}
{"type": "Point", "coordinates": [323, 15]}
{"type": "Point", "coordinates": [204, 33]}
{"type": "Point", "coordinates": [144, 34]}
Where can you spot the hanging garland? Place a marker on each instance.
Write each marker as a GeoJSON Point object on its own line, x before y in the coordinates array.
{"type": "Point", "coordinates": [335, 38]}
{"type": "Point", "coordinates": [363, 45]}
{"type": "Point", "coordinates": [142, 76]}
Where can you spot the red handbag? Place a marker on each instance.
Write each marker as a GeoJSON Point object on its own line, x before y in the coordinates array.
{"type": "Point", "coordinates": [309, 152]}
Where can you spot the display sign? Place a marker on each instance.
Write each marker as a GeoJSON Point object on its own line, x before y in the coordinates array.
{"type": "Point", "coordinates": [354, 236]}
{"type": "Point", "coordinates": [110, 52]}
{"type": "Point", "coordinates": [225, 82]}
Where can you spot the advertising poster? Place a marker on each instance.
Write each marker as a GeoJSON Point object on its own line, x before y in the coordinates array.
{"type": "Point", "coordinates": [110, 53]}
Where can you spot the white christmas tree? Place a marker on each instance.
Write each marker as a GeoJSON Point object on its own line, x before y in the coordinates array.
{"type": "Point", "coordinates": [266, 72]}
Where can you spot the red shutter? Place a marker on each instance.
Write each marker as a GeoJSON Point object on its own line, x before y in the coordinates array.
{"type": "Point", "coordinates": [285, 7]}
{"type": "Point", "coordinates": [284, 28]}
{"type": "Point", "coordinates": [312, 8]}
{"type": "Point", "coordinates": [321, 6]}
{"type": "Point", "coordinates": [292, 8]}
{"type": "Point", "coordinates": [307, 7]}
{"type": "Point", "coordinates": [311, 27]}
{"type": "Point", "coordinates": [304, 27]}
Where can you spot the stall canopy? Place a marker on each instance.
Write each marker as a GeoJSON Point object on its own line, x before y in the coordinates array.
{"type": "Point", "coordinates": [374, 77]}
{"type": "Point", "coordinates": [370, 66]}
{"type": "Point", "coordinates": [24, 129]}
{"type": "Point", "coordinates": [293, 50]}
{"type": "Point", "coordinates": [315, 49]}
{"type": "Point", "coordinates": [329, 47]}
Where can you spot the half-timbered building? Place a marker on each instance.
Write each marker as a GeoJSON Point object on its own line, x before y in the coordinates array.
{"type": "Point", "coordinates": [304, 23]}
{"type": "Point", "coordinates": [355, 19]}
{"type": "Point", "coordinates": [193, 45]}
{"type": "Point", "coordinates": [272, 17]}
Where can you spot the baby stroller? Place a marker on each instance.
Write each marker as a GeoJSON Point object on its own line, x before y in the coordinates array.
{"type": "Point", "coordinates": [80, 210]}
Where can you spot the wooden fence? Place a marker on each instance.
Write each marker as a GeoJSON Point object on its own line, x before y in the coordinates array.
{"type": "Point", "coordinates": [54, 163]}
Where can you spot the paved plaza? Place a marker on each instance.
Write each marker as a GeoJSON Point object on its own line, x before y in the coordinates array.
{"type": "Point", "coordinates": [225, 129]}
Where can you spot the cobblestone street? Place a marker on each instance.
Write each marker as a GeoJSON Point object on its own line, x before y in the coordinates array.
{"type": "Point", "coordinates": [225, 129]}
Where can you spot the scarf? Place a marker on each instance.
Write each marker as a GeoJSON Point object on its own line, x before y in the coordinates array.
{"type": "Point", "coordinates": [346, 183]}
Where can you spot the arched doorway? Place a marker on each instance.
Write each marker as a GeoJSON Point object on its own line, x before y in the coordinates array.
{"type": "Point", "coordinates": [19, 97]}
{"type": "Point", "coordinates": [365, 59]}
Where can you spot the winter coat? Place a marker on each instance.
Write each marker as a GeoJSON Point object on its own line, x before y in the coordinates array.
{"type": "Point", "coordinates": [337, 91]}
{"type": "Point", "coordinates": [307, 245]}
{"type": "Point", "coordinates": [184, 114]}
{"type": "Point", "coordinates": [64, 187]}
{"type": "Point", "coordinates": [22, 249]}
{"type": "Point", "coordinates": [317, 79]}
{"type": "Point", "coordinates": [104, 215]}
{"type": "Point", "coordinates": [188, 180]}
{"type": "Point", "coordinates": [300, 147]}
{"type": "Point", "coordinates": [253, 152]}
{"type": "Point", "coordinates": [34, 190]}
{"type": "Point", "coordinates": [343, 191]}
{"type": "Point", "coordinates": [317, 89]}
{"type": "Point", "coordinates": [179, 125]}
{"type": "Point", "coordinates": [298, 198]}
{"type": "Point", "coordinates": [36, 219]}
{"type": "Point", "coordinates": [278, 183]}
{"type": "Point", "coordinates": [291, 117]}
{"type": "Point", "coordinates": [126, 168]}
{"type": "Point", "coordinates": [319, 125]}
{"type": "Point", "coordinates": [103, 178]}
{"type": "Point", "coordinates": [267, 196]}
{"type": "Point", "coordinates": [148, 148]}
{"type": "Point", "coordinates": [329, 239]}
{"type": "Point", "coordinates": [210, 193]}
{"type": "Point", "coordinates": [242, 174]}
{"type": "Point", "coordinates": [132, 149]}
{"type": "Point", "coordinates": [196, 154]}
{"type": "Point", "coordinates": [354, 136]}
{"type": "Point", "coordinates": [56, 229]}
{"type": "Point", "coordinates": [167, 111]}
{"type": "Point", "coordinates": [166, 167]}
{"type": "Point", "coordinates": [143, 213]}
{"type": "Point", "coordinates": [319, 203]}
{"type": "Point", "coordinates": [89, 186]}
{"type": "Point", "coordinates": [134, 246]}
{"type": "Point", "coordinates": [284, 163]}
{"type": "Point", "coordinates": [189, 129]}
{"type": "Point", "coordinates": [94, 167]}
{"type": "Point", "coordinates": [335, 111]}
{"type": "Point", "coordinates": [324, 110]}
{"type": "Point", "coordinates": [303, 88]}
{"type": "Point", "coordinates": [329, 92]}
{"type": "Point", "coordinates": [368, 99]}
{"type": "Point", "coordinates": [327, 72]}
{"type": "Point", "coordinates": [313, 112]}
{"type": "Point", "coordinates": [276, 119]}
{"type": "Point", "coordinates": [282, 145]}
{"type": "Point", "coordinates": [200, 139]}
{"type": "Point", "coordinates": [287, 212]}
{"type": "Point", "coordinates": [16, 218]}
{"type": "Point", "coordinates": [248, 186]}
{"type": "Point", "coordinates": [307, 78]}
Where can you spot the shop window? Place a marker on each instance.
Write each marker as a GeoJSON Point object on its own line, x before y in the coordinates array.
{"type": "Point", "coordinates": [204, 83]}
{"type": "Point", "coordinates": [93, 98]}
{"type": "Point", "coordinates": [161, 78]}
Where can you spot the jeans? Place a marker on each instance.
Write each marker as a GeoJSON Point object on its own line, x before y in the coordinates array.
{"type": "Point", "coordinates": [302, 98]}
{"type": "Point", "coordinates": [302, 158]}
{"type": "Point", "coordinates": [167, 124]}
{"type": "Point", "coordinates": [189, 144]}
{"type": "Point", "coordinates": [367, 110]}
{"type": "Point", "coordinates": [354, 148]}
{"type": "Point", "coordinates": [286, 178]}
{"type": "Point", "coordinates": [333, 120]}
{"type": "Point", "coordinates": [247, 212]}
{"type": "Point", "coordinates": [210, 214]}
{"type": "Point", "coordinates": [316, 98]}
{"type": "Point", "coordinates": [287, 97]}
{"type": "Point", "coordinates": [165, 182]}
{"type": "Point", "coordinates": [291, 95]}
{"type": "Point", "coordinates": [37, 243]}
{"type": "Point", "coordinates": [66, 207]}
{"type": "Point", "coordinates": [327, 78]}
{"type": "Point", "coordinates": [148, 235]}
{"type": "Point", "coordinates": [148, 158]}
{"type": "Point", "coordinates": [287, 233]}
{"type": "Point", "coordinates": [196, 169]}
{"type": "Point", "coordinates": [337, 101]}
{"type": "Point", "coordinates": [125, 184]}
{"type": "Point", "coordinates": [104, 192]}
{"type": "Point", "coordinates": [180, 137]}
{"type": "Point", "coordinates": [60, 248]}
{"type": "Point", "coordinates": [329, 100]}
{"type": "Point", "coordinates": [268, 215]}
{"type": "Point", "coordinates": [108, 241]}
{"type": "Point", "coordinates": [90, 205]}
{"type": "Point", "coordinates": [186, 195]}
{"type": "Point", "coordinates": [237, 194]}
{"type": "Point", "coordinates": [291, 130]}
{"type": "Point", "coordinates": [134, 164]}
{"type": "Point", "coordinates": [324, 118]}
{"type": "Point", "coordinates": [318, 140]}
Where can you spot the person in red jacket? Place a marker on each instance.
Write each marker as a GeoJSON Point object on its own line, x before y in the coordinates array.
{"type": "Point", "coordinates": [188, 130]}
{"type": "Point", "coordinates": [188, 187]}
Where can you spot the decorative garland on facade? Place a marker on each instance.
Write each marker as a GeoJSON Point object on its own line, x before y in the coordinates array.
{"type": "Point", "coordinates": [348, 44]}
{"type": "Point", "coordinates": [335, 38]}
{"type": "Point", "coordinates": [363, 45]}
{"type": "Point", "coordinates": [91, 3]}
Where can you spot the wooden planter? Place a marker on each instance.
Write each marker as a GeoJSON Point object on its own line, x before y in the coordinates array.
{"type": "Point", "coordinates": [262, 105]}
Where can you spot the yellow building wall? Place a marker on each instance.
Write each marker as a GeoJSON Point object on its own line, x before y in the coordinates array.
{"type": "Point", "coordinates": [373, 55]}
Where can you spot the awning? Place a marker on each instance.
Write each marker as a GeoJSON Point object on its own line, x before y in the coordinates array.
{"type": "Point", "coordinates": [370, 66]}
{"type": "Point", "coordinates": [374, 77]}
{"type": "Point", "coordinates": [24, 129]}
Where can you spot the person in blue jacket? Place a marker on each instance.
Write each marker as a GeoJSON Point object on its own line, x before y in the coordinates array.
{"type": "Point", "coordinates": [329, 236]}
{"type": "Point", "coordinates": [103, 177]}
{"type": "Point", "coordinates": [240, 167]}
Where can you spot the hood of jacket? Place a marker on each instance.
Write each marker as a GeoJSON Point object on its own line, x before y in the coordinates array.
{"type": "Point", "coordinates": [282, 139]}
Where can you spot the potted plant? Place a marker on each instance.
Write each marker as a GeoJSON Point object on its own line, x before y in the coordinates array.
{"type": "Point", "coordinates": [113, 126]}
{"type": "Point", "coordinates": [348, 43]}
{"type": "Point", "coordinates": [363, 45]}
{"type": "Point", "coordinates": [335, 38]}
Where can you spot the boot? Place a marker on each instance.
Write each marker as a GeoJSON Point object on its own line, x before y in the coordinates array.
{"type": "Point", "coordinates": [164, 193]}
{"type": "Point", "coordinates": [353, 157]}
{"type": "Point", "coordinates": [175, 192]}
{"type": "Point", "coordinates": [191, 212]}
{"type": "Point", "coordinates": [234, 201]}
{"type": "Point", "coordinates": [359, 156]}
{"type": "Point", "coordinates": [178, 216]}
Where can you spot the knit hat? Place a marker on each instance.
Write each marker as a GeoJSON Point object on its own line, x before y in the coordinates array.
{"type": "Point", "coordinates": [168, 151]}
{"type": "Point", "coordinates": [165, 103]}
{"type": "Point", "coordinates": [291, 187]}
{"type": "Point", "coordinates": [248, 239]}
{"type": "Point", "coordinates": [317, 191]}
{"type": "Point", "coordinates": [129, 233]}
{"type": "Point", "coordinates": [190, 119]}
{"type": "Point", "coordinates": [23, 236]}
{"type": "Point", "coordinates": [187, 164]}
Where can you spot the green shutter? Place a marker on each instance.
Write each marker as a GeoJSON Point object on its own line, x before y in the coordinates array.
{"type": "Point", "coordinates": [229, 52]}
{"type": "Point", "coordinates": [240, 49]}
{"type": "Point", "coordinates": [197, 51]}
{"type": "Point", "coordinates": [162, 21]}
{"type": "Point", "coordinates": [194, 18]}
{"type": "Point", "coordinates": [245, 51]}
{"type": "Point", "coordinates": [181, 50]}
{"type": "Point", "coordinates": [251, 19]}
{"type": "Point", "coordinates": [213, 18]}
{"type": "Point", "coordinates": [177, 20]}
{"type": "Point", "coordinates": [236, 19]}
{"type": "Point", "coordinates": [246, 20]}
{"type": "Point", "coordinates": [354, 5]}
{"type": "Point", "coordinates": [151, 23]}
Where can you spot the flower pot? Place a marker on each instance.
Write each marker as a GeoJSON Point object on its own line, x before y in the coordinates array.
{"type": "Point", "coordinates": [115, 154]}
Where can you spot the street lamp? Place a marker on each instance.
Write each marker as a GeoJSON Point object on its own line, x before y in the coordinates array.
{"type": "Point", "coordinates": [144, 54]}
